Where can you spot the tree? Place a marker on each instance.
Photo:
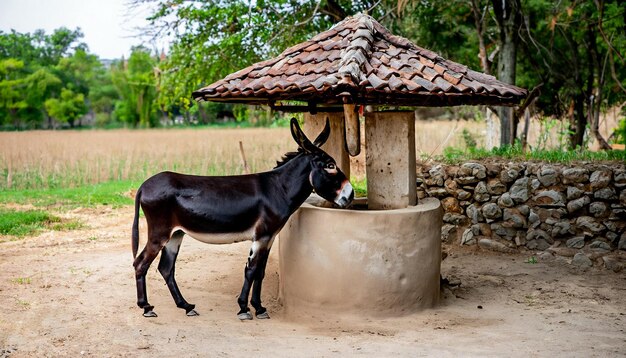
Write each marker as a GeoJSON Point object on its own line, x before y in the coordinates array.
{"type": "Point", "coordinates": [508, 16]}
{"type": "Point", "coordinates": [41, 85]}
{"type": "Point", "coordinates": [572, 47]}
{"type": "Point", "coordinates": [68, 107]}
{"type": "Point", "coordinates": [35, 67]}
{"type": "Point", "coordinates": [61, 43]}
{"type": "Point", "coordinates": [78, 71]}
{"type": "Point", "coordinates": [102, 96]}
{"type": "Point", "coordinates": [12, 89]}
{"type": "Point", "coordinates": [215, 38]}
{"type": "Point", "coordinates": [136, 84]}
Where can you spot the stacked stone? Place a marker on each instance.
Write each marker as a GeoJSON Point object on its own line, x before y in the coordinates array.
{"type": "Point", "coordinates": [552, 208]}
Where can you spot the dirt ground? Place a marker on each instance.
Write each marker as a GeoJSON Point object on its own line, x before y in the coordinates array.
{"type": "Point", "coordinates": [73, 294]}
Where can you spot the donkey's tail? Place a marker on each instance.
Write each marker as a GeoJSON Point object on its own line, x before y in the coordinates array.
{"type": "Point", "coordinates": [135, 232]}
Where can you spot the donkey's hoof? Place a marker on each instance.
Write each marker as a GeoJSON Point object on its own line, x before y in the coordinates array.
{"type": "Point", "coordinates": [192, 313]}
{"type": "Point", "coordinates": [150, 314]}
{"type": "Point", "coordinates": [263, 315]}
{"type": "Point", "coordinates": [245, 316]}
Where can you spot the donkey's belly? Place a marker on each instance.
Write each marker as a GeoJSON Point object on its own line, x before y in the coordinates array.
{"type": "Point", "coordinates": [218, 238]}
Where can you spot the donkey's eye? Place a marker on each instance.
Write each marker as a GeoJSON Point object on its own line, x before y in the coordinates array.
{"type": "Point", "coordinates": [331, 166]}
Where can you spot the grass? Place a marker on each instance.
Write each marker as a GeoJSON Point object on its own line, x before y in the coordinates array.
{"type": "Point", "coordinates": [22, 280]}
{"type": "Point", "coordinates": [22, 223]}
{"type": "Point", "coordinates": [455, 155]}
{"type": "Point", "coordinates": [360, 187]}
{"type": "Point", "coordinates": [531, 260]}
{"type": "Point", "coordinates": [115, 193]}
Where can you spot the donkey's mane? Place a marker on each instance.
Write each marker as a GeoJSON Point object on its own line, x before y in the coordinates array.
{"type": "Point", "coordinates": [287, 157]}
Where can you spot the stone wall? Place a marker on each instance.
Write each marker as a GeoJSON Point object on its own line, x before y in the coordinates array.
{"type": "Point", "coordinates": [577, 212]}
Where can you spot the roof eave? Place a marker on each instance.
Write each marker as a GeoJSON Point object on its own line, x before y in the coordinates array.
{"type": "Point", "coordinates": [413, 100]}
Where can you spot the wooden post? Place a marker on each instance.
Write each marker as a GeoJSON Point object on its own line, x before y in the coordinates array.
{"type": "Point", "coordinates": [335, 146]}
{"type": "Point", "coordinates": [390, 159]}
{"type": "Point", "coordinates": [244, 162]}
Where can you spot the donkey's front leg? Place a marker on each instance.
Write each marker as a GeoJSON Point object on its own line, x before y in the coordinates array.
{"type": "Point", "coordinates": [255, 300]}
{"type": "Point", "coordinates": [257, 261]}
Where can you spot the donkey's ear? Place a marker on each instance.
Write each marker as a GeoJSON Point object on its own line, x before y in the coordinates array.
{"type": "Point", "coordinates": [300, 137]}
{"type": "Point", "coordinates": [323, 136]}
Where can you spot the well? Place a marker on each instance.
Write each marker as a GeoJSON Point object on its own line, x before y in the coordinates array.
{"type": "Point", "coordinates": [383, 262]}
{"type": "Point", "coordinates": [385, 259]}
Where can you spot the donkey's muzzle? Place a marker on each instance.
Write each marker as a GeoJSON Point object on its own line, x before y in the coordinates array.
{"type": "Point", "coordinates": [345, 196]}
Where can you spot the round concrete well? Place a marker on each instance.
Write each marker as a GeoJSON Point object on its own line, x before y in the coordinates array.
{"type": "Point", "coordinates": [373, 262]}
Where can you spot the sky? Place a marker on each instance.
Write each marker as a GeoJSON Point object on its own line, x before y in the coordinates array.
{"type": "Point", "coordinates": [108, 26]}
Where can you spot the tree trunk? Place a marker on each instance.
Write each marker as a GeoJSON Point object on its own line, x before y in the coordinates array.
{"type": "Point", "coordinates": [508, 15]}
{"type": "Point", "coordinates": [480, 30]}
{"type": "Point", "coordinates": [595, 101]}
{"type": "Point", "coordinates": [578, 122]}
{"type": "Point", "coordinates": [479, 18]}
{"type": "Point", "coordinates": [15, 119]}
{"type": "Point", "coordinates": [49, 120]}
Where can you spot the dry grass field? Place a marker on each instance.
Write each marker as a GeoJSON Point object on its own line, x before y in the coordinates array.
{"type": "Point", "coordinates": [61, 159]}
{"type": "Point", "coordinates": [73, 158]}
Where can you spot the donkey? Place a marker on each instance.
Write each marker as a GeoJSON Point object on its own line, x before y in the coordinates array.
{"type": "Point", "coordinates": [229, 209]}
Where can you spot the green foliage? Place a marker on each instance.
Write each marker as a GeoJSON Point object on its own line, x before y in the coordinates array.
{"type": "Point", "coordinates": [34, 68]}
{"type": "Point", "coordinates": [445, 27]}
{"type": "Point", "coordinates": [570, 48]}
{"type": "Point", "coordinates": [469, 140]}
{"type": "Point", "coordinates": [12, 86]}
{"type": "Point", "coordinates": [531, 260]}
{"type": "Point", "coordinates": [38, 48]}
{"type": "Point", "coordinates": [42, 84]}
{"type": "Point", "coordinates": [359, 186]}
{"type": "Point", "coordinates": [78, 71]}
{"type": "Point", "coordinates": [216, 38]}
{"type": "Point", "coordinates": [22, 223]}
{"type": "Point", "coordinates": [136, 86]}
{"type": "Point", "coordinates": [102, 93]}
{"type": "Point", "coordinates": [620, 132]}
{"type": "Point", "coordinates": [68, 107]}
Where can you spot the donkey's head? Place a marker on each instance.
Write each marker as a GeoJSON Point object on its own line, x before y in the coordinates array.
{"type": "Point", "coordinates": [327, 179]}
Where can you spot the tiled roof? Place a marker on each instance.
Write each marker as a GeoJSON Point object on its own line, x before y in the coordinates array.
{"type": "Point", "coordinates": [361, 57]}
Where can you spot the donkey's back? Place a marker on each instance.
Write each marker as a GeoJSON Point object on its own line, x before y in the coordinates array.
{"type": "Point", "coordinates": [202, 204]}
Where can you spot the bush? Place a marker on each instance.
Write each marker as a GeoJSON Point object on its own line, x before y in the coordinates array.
{"type": "Point", "coordinates": [620, 132]}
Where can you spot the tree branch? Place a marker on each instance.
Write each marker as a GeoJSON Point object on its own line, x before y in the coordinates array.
{"type": "Point", "coordinates": [334, 10]}
{"type": "Point", "coordinates": [614, 74]}
{"type": "Point", "coordinates": [297, 24]}
{"type": "Point", "coordinates": [482, 51]}
{"type": "Point", "coordinates": [534, 93]}
{"type": "Point", "coordinates": [600, 6]}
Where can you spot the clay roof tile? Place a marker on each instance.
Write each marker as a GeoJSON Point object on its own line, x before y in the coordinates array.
{"type": "Point", "coordinates": [380, 68]}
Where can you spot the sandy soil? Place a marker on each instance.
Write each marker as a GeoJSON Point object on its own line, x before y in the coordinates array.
{"type": "Point", "coordinates": [73, 293]}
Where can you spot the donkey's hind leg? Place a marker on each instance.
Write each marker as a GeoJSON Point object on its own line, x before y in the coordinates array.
{"type": "Point", "coordinates": [142, 264]}
{"type": "Point", "coordinates": [167, 266]}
